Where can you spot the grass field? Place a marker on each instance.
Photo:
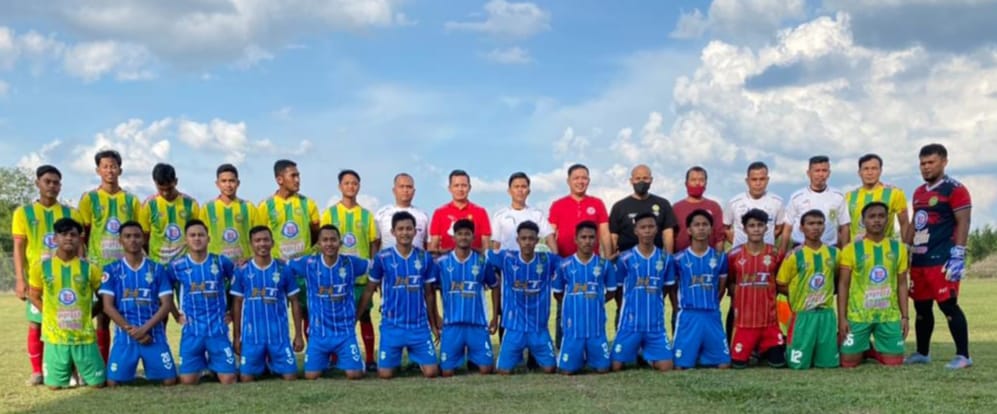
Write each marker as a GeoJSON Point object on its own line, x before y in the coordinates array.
{"type": "Point", "coordinates": [869, 388]}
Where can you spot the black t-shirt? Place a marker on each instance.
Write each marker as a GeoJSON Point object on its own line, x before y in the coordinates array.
{"type": "Point", "coordinates": [621, 219]}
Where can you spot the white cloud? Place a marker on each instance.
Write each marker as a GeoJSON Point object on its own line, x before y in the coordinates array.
{"type": "Point", "coordinates": [739, 19]}
{"type": "Point", "coordinates": [92, 60]}
{"type": "Point", "coordinates": [35, 159]}
{"type": "Point", "coordinates": [509, 56]}
{"type": "Point", "coordinates": [691, 25]}
{"type": "Point", "coordinates": [507, 20]}
{"type": "Point", "coordinates": [253, 55]}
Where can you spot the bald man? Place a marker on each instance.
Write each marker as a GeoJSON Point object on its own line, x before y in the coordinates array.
{"type": "Point", "coordinates": [621, 223]}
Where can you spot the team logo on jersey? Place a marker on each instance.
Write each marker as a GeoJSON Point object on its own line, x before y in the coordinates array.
{"type": "Point", "coordinates": [113, 225]}
{"type": "Point", "coordinates": [597, 271]}
{"type": "Point", "coordinates": [933, 201]}
{"type": "Point", "coordinates": [832, 216]}
{"type": "Point", "coordinates": [878, 274]}
{"type": "Point", "coordinates": [349, 240]}
{"type": "Point", "coordinates": [173, 232]}
{"type": "Point", "coordinates": [214, 269]}
{"type": "Point", "coordinates": [67, 297]}
{"type": "Point", "coordinates": [230, 235]}
{"type": "Point", "coordinates": [817, 282]}
{"type": "Point", "coordinates": [342, 272]}
{"type": "Point", "coordinates": [540, 270]}
{"type": "Point", "coordinates": [713, 262]}
{"type": "Point", "coordinates": [767, 260]}
{"type": "Point", "coordinates": [290, 229]}
{"type": "Point", "coordinates": [920, 219]}
{"type": "Point", "coordinates": [49, 241]}
{"type": "Point", "coordinates": [655, 209]}
{"type": "Point", "coordinates": [590, 211]}
{"type": "Point", "coordinates": [475, 270]}
{"type": "Point", "coordinates": [741, 261]}
{"type": "Point", "coordinates": [104, 277]}
{"type": "Point", "coordinates": [148, 277]}
{"type": "Point", "coordinates": [417, 265]}
{"type": "Point", "coordinates": [276, 277]}
{"type": "Point", "coordinates": [659, 265]}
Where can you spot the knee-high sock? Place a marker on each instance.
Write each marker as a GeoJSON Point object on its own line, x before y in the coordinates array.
{"type": "Point", "coordinates": [35, 348]}
{"type": "Point", "coordinates": [924, 324]}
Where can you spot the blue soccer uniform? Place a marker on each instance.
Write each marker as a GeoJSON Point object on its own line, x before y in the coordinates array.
{"type": "Point", "coordinates": [526, 291]}
{"type": "Point", "coordinates": [404, 320]}
{"type": "Point", "coordinates": [642, 313]}
{"type": "Point", "coordinates": [204, 342]}
{"type": "Point", "coordinates": [465, 321]}
{"type": "Point", "coordinates": [699, 333]}
{"type": "Point", "coordinates": [583, 314]}
{"type": "Point", "coordinates": [332, 314]}
{"type": "Point", "coordinates": [266, 338]}
{"type": "Point", "coordinates": [137, 294]}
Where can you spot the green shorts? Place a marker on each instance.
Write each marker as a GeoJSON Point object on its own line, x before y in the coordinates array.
{"type": "Point", "coordinates": [58, 362]}
{"type": "Point", "coordinates": [889, 338]}
{"type": "Point", "coordinates": [813, 340]}
{"type": "Point", "coordinates": [358, 295]}
{"type": "Point", "coordinates": [32, 313]}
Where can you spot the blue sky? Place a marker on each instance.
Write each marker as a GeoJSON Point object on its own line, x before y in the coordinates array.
{"type": "Point", "coordinates": [494, 87]}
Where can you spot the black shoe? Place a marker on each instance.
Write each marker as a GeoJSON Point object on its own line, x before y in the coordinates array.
{"type": "Point", "coordinates": [472, 367]}
{"type": "Point", "coordinates": [371, 367]}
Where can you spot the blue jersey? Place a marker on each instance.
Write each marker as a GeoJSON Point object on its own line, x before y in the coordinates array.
{"type": "Point", "coordinates": [700, 278]}
{"type": "Point", "coordinates": [525, 289]}
{"type": "Point", "coordinates": [644, 280]}
{"type": "Point", "coordinates": [331, 307]}
{"type": "Point", "coordinates": [583, 314]}
{"type": "Point", "coordinates": [403, 280]}
{"type": "Point", "coordinates": [136, 294]}
{"type": "Point", "coordinates": [462, 287]}
{"type": "Point", "coordinates": [203, 288]}
{"type": "Point", "coordinates": [264, 308]}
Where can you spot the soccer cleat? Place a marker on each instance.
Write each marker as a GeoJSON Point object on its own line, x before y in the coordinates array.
{"type": "Point", "coordinates": [917, 358]}
{"type": "Point", "coordinates": [371, 367]}
{"type": "Point", "coordinates": [35, 379]}
{"type": "Point", "coordinates": [74, 380]}
{"type": "Point", "coordinates": [959, 362]}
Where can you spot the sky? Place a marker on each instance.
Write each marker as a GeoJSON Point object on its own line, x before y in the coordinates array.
{"type": "Point", "coordinates": [494, 87]}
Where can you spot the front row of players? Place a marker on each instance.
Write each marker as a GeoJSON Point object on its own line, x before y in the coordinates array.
{"type": "Point", "coordinates": [137, 294]}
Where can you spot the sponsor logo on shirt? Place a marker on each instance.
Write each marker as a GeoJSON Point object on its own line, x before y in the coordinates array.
{"type": "Point", "coordinates": [49, 241]}
{"type": "Point", "coordinates": [817, 282]}
{"type": "Point", "coordinates": [230, 235]}
{"type": "Point", "coordinates": [349, 240]}
{"type": "Point", "coordinates": [67, 296]}
{"type": "Point", "coordinates": [290, 229]}
{"type": "Point", "coordinates": [878, 274]}
{"type": "Point", "coordinates": [173, 232]}
{"type": "Point", "coordinates": [113, 225]}
{"type": "Point", "coordinates": [920, 219]}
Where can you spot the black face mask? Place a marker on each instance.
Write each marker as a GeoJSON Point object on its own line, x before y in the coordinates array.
{"type": "Point", "coordinates": [641, 188]}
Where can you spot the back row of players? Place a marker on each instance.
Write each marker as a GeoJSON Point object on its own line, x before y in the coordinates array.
{"type": "Point", "coordinates": [204, 246]}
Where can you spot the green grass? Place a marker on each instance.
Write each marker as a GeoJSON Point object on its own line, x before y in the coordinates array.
{"type": "Point", "coordinates": [869, 388]}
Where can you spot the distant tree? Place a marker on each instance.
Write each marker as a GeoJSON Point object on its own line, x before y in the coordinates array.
{"type": "Point", "coordinates": [16, 189]}
{"type": "Point", "coordinates": [982, 243]}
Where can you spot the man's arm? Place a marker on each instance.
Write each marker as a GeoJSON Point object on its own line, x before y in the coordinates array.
{"type": "Point", "coordinates": [605, 243]}
{"type": "Point", "coordinates": [904, 223]}
{"type": "Point", "coordinates": [112, 313]}
{"type": "Point", "coordinates": [844, 283]}
{"type": "Point", "coordinates": [20, 254]}
{"type": "Point", "coordinates": [962, 221]}
{"type": "Point", "coordinates": [165, 308]}
{"type": "Point", "coordinates": [35, 297]}
{"type": "Point", "coordinates": [902, 297]}
{"type": "Point", "coordinates": [493, 326]}
{"type": "Point", "coordinates": [786, 238]}
{"type": "Point", "coordinates": [844, 236]}
{"type": "Point", "coordinates": [486, 241]}
{"type": "Point", "coordinates": [551, 241]}
{"type": "Point", "coordinates": [299, 341]}
{"type": "Point", "coordinates": [433, 246]}
{"type": "Point", "coordinates": [433, 314]}
{"type": "Point", "coordinates": [368, 293]}
{"type": "Point", "coordinates": [237, 323]}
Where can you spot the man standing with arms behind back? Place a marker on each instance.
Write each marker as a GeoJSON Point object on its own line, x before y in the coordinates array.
{"type": "Point", "coordinates": [229, 217]}
{"type": "Point", "coordinates": [506, 221]}
{"type": "Point", "coordinates": [404, 192]}
{"type": "Point", "coordinates": [872, 189]}
{"type": "Point", "coordinates": [441, 227]}
{"type": "Point", "coordinates": [695, 186]}
{"type": "Point", "coordinates": [817, 196]}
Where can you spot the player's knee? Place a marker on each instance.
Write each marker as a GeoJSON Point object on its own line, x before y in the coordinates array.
{"type": "Point", "coordinates": [617, 366]}
{"type": "Point", "coordinates": [950, 308]}
{"type": "Point", "coordinates": [317, 375]}
{"type": "Point", "coordinates": [891, 360]}
{"type": "Point", "coordinates": [385, 374]}
{"type": "Point", "coordinates": [354, 375]}
{"type": "Point", "coordinates": [485, 369]}
{"type": "Point", "coordinates": [246, 378]}
{"type": "Point", "coordinates": [723, 366]}
{"type": "Point", "coordinates": [663, 366]}
{"type": "Point", "coordinates": [227, 379]}
{"type": "Point", "coordinates": [738, 364]}
{"type": "Point", "coordinates": [112, 384]}
{"type": "Point", "coordinates": [851, 361]}
{"type": "Point", "coordinates": [289, 377]}
{"type": "Point", "coordinates": [430, 371]}
{"type": "Point", "coordinates": [447, 374]}
{"type": "Point", "coordinates": [170, 382]}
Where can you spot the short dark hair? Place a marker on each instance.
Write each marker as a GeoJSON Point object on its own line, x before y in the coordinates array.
{"type": "Point", "coordinates": [457, 173]}
{"type": "Point", "coordinates": [328, 227]}
{"type": "Point", "coordinates": [757, 165]}
{"type": "Point", "coordinates": [698, 212]}
{"type": "Point", "coordinates": [45, 169]}
{"type": "Point", "coordinates": [259, 229]}
{"type": "Point", "coordinates": [517, 175]}
{"type": "Point", "coordinates": [66, 225]}
{"type": "Point", "coordinates": [574, 167]}
{"type": "Point", "coordinates": [401, 216]}
{"type": "Point", "coordinates": [164, 174]}
{"type": "Point", "coordinates": [587, 224]}
{"type": "Point", "coordinates": [819, 159]}
{"type": "Point", "coordinates": [755, 214]}
{"type": "Point", "coordinates": [875, 204]}
{"type": "Point", "coordinates": [281, 165]}
{"type": "Point", "coordinates": [528, 225]}
{"type": "Point", "coordinates": [224, 168]}
{"type": "Point", "coordinates": [194, 222]}
{"type": "Point", "coordinates": [812, 213]}
{"type": "Point", "coordinates": [869, 157]}
{"type": "Point", "coordinates": [127, 224]}
{"type": "Point", "coordinates": [696, 168]}
{"type": "Point", "coordinates": [645, 214]}
{"type": "Point", "coordinates": [400, 175]}
{"type": "Point", "coordinates": [463, 224]}
{"type": "Point", "coordinates": [344, 173]}
{"type": "Point", "coordinates": [108, 153]}
{"type": "Point", "coordinates": [933, 149]}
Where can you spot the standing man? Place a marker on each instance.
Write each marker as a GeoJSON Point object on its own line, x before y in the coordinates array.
{"type": "Point", "coordinates": [817, 196]}
{"type": "Point", "coordinates": [695, 186]}
{"type": "Point", "coordinates": [872, 189]}
{"type": "Point", "coordinates": [102, 211]}
{"type": "Point", "coordinates": [404, 191]}
{"type": "Point", "coordinates": [757, 197]}
{"type": "Point", "coordinates": [360, 240]}
{"type": "Point", "coordinates": [565, 215]}
{"type": "Point", "coordinates": [441, 227]}
{"type": "Point", "coordinates": [229, 218]}
{"type": "Point", "coordinates": [63, 287]}
{"type": "Point", "coordinates": [622, 216]}
{"type": "Point", "coordinates": [164, 215]}
{"type": "Point", "coordinates": [34, 241]}
{"type": "Point", "coordinates": [506, 221]}
{"type": "Point", "coordinates": [942, 210]}
{"type": "Point", "coordinates": [293, 219]}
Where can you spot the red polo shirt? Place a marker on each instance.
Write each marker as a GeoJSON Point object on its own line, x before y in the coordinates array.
{"type": "Point", "coordinates": [444, 217]}
{"type": "Point", "coordinates": [567, 212]}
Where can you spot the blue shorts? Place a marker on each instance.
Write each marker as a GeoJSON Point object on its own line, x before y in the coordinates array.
{"type": "Point", "coordinates": [156, 359]}
{"type": "Point", "coordinates": [198, 353]}
{"type": "Point", "coordinates": [279, 357]}
{"type": "Point", "coordinates": [394, 340]}
{"type": "Point", "coordinates": [343, 346]}
{"type": "Point", "coordinates": [514, 342]}
{"type": "Point", "coordinates": [457, 338]}
{"type": "Point", "coordinates": [577, 352]}
{"type": "Point", "coordinates": [654, 345]}
{"type": "Point", "coordinates": [700, 339]}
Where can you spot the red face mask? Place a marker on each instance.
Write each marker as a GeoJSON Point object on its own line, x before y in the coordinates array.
{"type": "Point", "coordinates": [695, 192]}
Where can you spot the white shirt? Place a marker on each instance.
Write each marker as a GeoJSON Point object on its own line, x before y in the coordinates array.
{"type": "Point", "coordinates": [741, 203]}
{"type": "Point", "coordinates": [506, 220]}
{"type": "Point", "coordinates": [831, 202]}
{"type": "Point", "coordinates": [383, 220]}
